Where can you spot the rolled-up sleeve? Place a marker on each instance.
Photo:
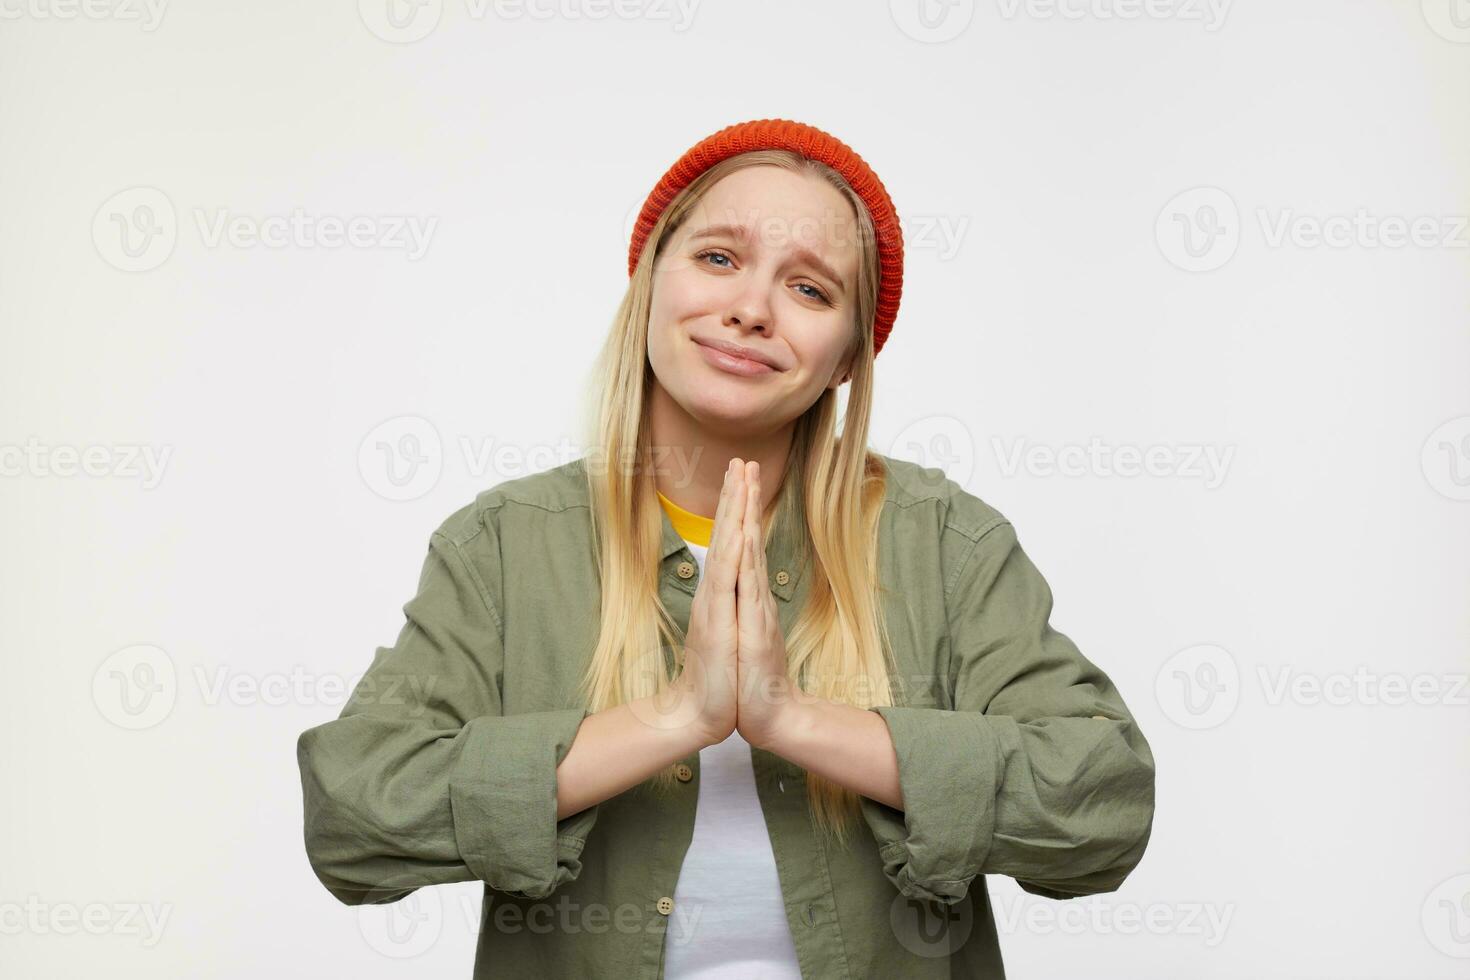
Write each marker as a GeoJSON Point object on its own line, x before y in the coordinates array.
{"type": "Point", "coordinates": [1039, 773]}
{"type": "Point", "coordinates": [422, 779]}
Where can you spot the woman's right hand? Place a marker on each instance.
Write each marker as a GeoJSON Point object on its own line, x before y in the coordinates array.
{"type": "Point", "coordinates": [709, 674]}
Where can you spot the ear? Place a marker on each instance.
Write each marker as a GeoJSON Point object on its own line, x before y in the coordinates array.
{"type": "Point", "coordinates": [846, 368]}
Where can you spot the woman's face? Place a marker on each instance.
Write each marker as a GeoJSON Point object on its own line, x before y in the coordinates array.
{"type": "Point", "coordinates": [782, 289]}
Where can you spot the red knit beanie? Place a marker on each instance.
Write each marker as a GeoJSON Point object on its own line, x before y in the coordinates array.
{"type": "Point", "coordinates": [784, 134]}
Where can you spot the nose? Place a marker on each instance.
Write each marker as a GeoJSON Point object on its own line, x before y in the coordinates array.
{"type": "Point", "coordinates": [750, 309]}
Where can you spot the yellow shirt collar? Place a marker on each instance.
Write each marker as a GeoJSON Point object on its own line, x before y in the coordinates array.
{"type": "Point", "coordinates": [691, 526]}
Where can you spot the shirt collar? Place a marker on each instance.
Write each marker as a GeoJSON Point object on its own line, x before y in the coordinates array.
{"type": "Point", "coordinates": [692, 527]}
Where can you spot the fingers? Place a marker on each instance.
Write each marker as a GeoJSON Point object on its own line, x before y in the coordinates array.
{"type": "Point", "coordinates": [752, 498]}
{"type": "Point", "coordinates": [749, 519]}
{"type": "Point", "coordinates": [747, 592]}
{"type": "Point", "coordinates": [760, 576]}
{"type": "Point", "coordinates": [718, 569]}
{"type": "Point", "coordinates": [737, 516]}
{"type": "Point", "coordinates": [720, 508]}
{"type": "Point", "coordinates": [752, 519]}
{"type": "Point", "coordinates": [719, 512]}
{"type": "Point", "coordinates": [760, 560]}
{"type": "Point", "coordinates": [750, 588]}
{"type": "Point", "coordinates": [727, 529]}
{"type": "Point", "coordinates": [750, 514]}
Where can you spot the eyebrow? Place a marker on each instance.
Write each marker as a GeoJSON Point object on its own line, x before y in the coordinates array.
{"type": "Point", "coordinates": [743, 234]}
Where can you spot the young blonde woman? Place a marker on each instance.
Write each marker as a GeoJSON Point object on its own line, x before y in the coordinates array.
{"type": "Point", "coordinates": [733, 695]}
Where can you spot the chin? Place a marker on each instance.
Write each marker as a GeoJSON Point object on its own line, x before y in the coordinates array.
{"type": "Point", "coordinates": [709, 407]}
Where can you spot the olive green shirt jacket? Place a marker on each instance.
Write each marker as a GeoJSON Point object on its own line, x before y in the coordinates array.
{"type": "Point", "coordinates": [1016, 754]}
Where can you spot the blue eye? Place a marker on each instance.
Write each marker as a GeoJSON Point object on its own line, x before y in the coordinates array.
{"type": "Point", "coordinates": [816, 294]}
{"type": "Point", "coordinates": [819, 294]}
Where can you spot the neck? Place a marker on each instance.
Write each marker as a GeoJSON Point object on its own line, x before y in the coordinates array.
{"type": "Point", "coordinates": [690, 458]}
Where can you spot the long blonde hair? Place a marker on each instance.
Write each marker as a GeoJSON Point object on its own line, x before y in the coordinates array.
{"type": "Point", "coordinates": [836, 645]}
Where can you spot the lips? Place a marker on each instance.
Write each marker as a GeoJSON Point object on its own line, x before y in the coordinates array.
{"type": "Point", "coordinates": [733, 363]}
{"type": "Point", "coordinates": [740, 351]}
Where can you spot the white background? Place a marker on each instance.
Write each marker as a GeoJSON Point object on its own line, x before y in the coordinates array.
{"type": "Point", "coordinates": [1036, 155]}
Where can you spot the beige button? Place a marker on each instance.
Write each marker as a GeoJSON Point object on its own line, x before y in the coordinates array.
{"type": "Point", "coordinates": [684, 773]}
{"type": "Point", "coordinates": [666, 905]}
{"type": "Point", "coordinates": [782, 577]}
{"type": "Point", "coordinates": [686, 569]}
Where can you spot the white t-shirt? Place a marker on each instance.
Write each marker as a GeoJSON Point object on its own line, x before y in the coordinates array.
{"type": "Point", "coordinates": [729, 920]}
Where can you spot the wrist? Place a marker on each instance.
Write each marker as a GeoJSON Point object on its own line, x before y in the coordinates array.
{"type": "Point", "coordinates": [706, 737]}
{"type": "Point", "coordinates": [690, 739]}
{"type": "Point", "coordinates": [791, 727]}
{"type": "Point", "coordinates": [674, 716]}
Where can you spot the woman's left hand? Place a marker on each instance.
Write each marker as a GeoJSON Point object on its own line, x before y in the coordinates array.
{"type": "Point", "coordinates": [766, 705]}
